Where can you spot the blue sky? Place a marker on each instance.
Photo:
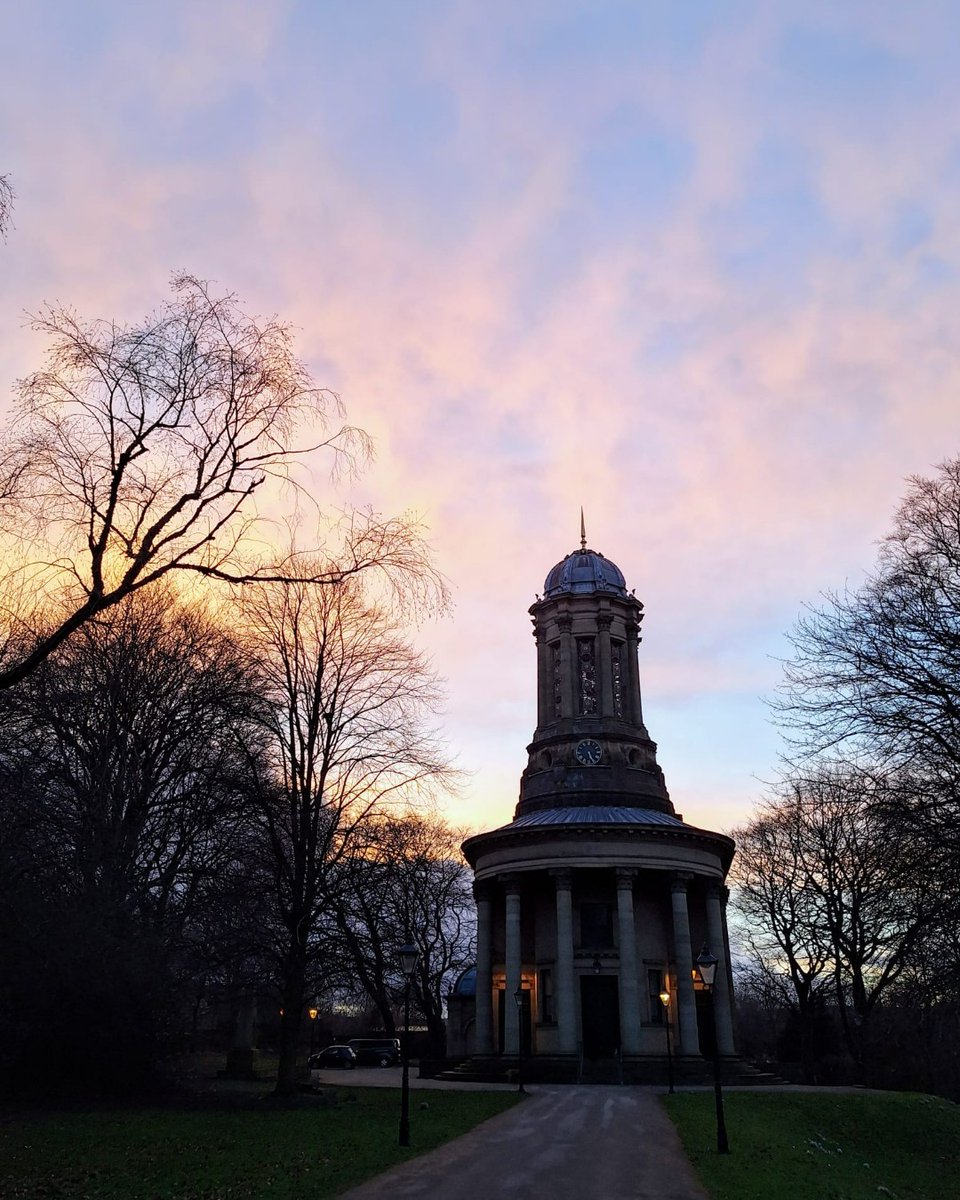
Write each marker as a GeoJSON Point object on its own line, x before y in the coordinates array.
{"type": "Point", "coordinates": [691, 265]}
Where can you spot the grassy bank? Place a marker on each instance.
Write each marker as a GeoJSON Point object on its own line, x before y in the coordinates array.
{"type": "Point", "coordinates": [247, 1149]}
{"type": "Point", "coordinates": [823, 1146]}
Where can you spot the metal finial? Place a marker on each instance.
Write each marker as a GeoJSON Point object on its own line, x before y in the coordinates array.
{"type": "Point", "coordinates": [583, 531]}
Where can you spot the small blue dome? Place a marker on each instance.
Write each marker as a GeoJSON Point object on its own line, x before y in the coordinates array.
{"type": "Point", "coordinates": [466, 984]}
{"type": "Point", "coordinates": [584, 571]}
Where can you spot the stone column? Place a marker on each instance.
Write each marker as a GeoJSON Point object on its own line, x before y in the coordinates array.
{"type": "Point", "coordinates": [511, 1018]}
{"type": "Point", "coordinates": [605, 665]}
{"type": "Point", "coordinates": [724, 897]}
{"type": "Point", "coordinates": [545, 713]}
{"type": "Point", "coordinates": [689, 1038]}
{"type": "Point", "coordinates": [632, 707]}
{"type": "Point", "coordinates": [629, 988]}
{"type": "Point", "coordinates": [570, 682]}
{"type": "Point", "coordinates": [721, 986]}
{"type": "Point", "coordinates": [565, 997]}
{"type": "Point", "coordinates": [484, 1013]}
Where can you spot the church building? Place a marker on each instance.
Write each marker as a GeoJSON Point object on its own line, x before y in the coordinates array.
{"type": "Point", "coordinates": [593, 902]}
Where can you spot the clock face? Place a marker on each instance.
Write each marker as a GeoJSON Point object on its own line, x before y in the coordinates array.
{"type": "Point", "coordinates": [589, 752]}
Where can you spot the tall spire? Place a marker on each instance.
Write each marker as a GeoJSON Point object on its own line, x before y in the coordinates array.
{"type": "Point", "coordinates": [583, 531]}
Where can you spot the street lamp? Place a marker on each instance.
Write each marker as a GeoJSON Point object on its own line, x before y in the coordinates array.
{"type": "Point", "coordinates": [665, 1001]}
{"type": "Point", "coordinates": [408, 954]}
{"type": "Point", "coordinates": [313, 1013]}
{"type": "Point", "coordinates": [706, 965]}
{"type": "Point", "coordinates": [518, 997]}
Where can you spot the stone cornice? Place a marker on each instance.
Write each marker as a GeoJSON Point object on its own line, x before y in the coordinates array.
{"type": "Point", "coordinates": [722, 845]}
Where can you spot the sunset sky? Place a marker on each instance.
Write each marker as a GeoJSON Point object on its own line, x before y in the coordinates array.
{"type": "Point", "coordinates": [693, 266]}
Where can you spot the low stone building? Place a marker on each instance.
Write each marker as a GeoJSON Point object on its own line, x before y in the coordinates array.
{"type": "Point", "coordinates": [597, 896]}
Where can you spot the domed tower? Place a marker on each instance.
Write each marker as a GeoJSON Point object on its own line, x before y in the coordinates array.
{"type": "Point", "coordinates": [590, 746]}
{"type": "Point", "coordinates": [590, 902]}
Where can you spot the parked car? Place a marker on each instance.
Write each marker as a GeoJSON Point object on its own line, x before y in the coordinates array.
{"type": "Point", "coordinates": [333, 1056]}
{"type": "Point", "coordinates": [379, 1052]}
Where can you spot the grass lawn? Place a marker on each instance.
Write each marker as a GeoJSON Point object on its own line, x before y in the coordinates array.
{"type": "Point", "coordinates": [231, 1150]}
{"type": "Point", "coordinates": [823, 1146]}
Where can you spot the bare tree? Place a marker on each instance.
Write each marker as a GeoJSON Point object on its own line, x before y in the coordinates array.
{"type": "Point", "coordinates": [878, 897]}
{"type": "Point", "coordinates": [826, 872]}
{"type": "Point", "coordinates": [351, 705]}
{"type": "Point", "coordinates": [876, 670]}
{"type": "Point", "coordinates": [120, 768]}
{"type": "Point", "coordinates": [131, 734]}
{"type": "Point", "coordinates": [406, 881]}
{"type": "Point", "coordinates": [782, 917]}
{"type": "Point", "coordinates": [139, 452]}
{"type": "Point", "coordinates": [870, 704]}
{"type": "Point", "coordinates": [363, 928]}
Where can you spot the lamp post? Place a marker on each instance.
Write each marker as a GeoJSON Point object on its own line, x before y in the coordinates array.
{"type": "Point", "coordinates": [409, 954]}
{"type": "Point", "coordinates": [313, 1013]}
{"type": "Point", "coordinates": [518, 997]}
{"type": "Point", "coordinates": [706, 965]}
{"type": "Point", "coordinates": [665, 1001]}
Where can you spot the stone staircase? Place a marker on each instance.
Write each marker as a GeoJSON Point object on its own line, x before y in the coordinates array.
{"type": "Point", "coordinates": [648, 1072]}
{"type": "Point", "coordinates": [495, 1069]}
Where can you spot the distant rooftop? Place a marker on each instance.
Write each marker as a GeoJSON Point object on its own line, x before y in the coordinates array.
{"type": "Point", "coordinates": [466, 984]}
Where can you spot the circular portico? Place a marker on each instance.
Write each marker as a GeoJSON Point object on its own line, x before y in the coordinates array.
{"type": "Point", "coordinates": [595, 898]}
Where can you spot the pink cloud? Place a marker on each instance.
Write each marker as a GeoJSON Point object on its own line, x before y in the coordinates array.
{"type": "Point", "coordinates": [733, 473]}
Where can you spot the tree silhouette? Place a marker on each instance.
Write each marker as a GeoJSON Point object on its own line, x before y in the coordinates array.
{"type": "Point", "coordinates": [140, 452]}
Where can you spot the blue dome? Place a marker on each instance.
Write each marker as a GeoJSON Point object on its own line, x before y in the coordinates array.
{"type": "Point", "coordinates": [584, 571]}
{"type": "Point", "coordinates": [466, 984]}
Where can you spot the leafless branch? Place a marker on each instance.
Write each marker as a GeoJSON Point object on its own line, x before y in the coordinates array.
{"type": "Point", "coordinates": [142, 451]}
{"type": "Point", "coordinates": [6, 205]}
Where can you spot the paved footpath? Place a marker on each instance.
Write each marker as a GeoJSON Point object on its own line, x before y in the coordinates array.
{"type": "Point", "coordinates": [561, 1143]}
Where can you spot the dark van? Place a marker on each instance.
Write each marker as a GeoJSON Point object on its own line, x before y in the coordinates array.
{"type": "Point", "coordinates": [376, 1052]}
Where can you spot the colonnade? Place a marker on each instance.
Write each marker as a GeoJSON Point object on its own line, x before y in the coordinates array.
{"type": "Point", "coordinates": [684, 1014]}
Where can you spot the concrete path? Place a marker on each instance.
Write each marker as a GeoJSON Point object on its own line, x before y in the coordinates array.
{"type": "Point", "coordinates": [565, 1143]}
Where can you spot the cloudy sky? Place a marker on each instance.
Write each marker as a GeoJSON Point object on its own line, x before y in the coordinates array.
{"type": "Point", "coordinates": [691, 265]}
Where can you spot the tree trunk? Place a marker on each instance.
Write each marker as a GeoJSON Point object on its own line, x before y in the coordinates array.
{"type": "Point", "coordinates": [436, 1026]}
{"type": "Point", "coordinates": [293, 994]}
{"type": "Point", "coordinates": [808, 1049]}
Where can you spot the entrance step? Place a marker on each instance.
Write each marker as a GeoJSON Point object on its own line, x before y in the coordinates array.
{"type": "Point", "coordinates": [746, 1074]}
{"type": "Point", "coordinates": [497, 1069]}
{"type": "Point", "coordinates": [648, 1071]}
